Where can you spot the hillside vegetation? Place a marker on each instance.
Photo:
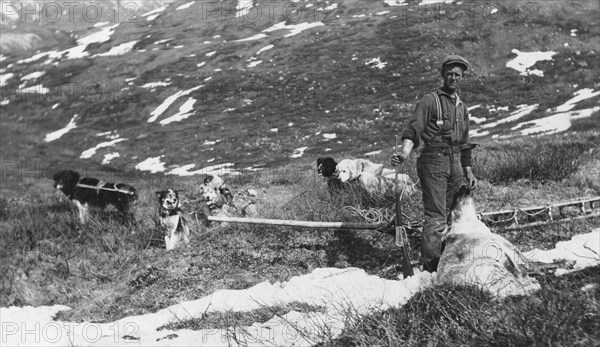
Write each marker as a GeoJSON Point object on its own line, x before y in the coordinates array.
{"type": "Point", "coordinates": [355, 72]}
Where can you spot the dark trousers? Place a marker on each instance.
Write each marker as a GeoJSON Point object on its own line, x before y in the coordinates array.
{"type": "Point", "coordinates": [441, 176]}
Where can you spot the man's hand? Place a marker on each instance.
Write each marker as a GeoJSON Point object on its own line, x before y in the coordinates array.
{"type": "Point", "coordinates": [470, 177]}
{"type": "Point", "coordinates": [398, 158]}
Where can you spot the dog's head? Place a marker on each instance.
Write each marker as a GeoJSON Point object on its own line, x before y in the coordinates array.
{"type": "Point", "coordinates": [459, 203]}
{"type": "Point", "coordinates": [348, 169]}
{"type": "Point", "coordinates": [211, 195]}
{"type": "Point", "coordinates": [168, 199]}
{"type": "Point", "coordinates": [462, 217]}
{"type": "Point", "coordinates": [326, 167]}
{"type": "Point", "coordinates": [65, 180]}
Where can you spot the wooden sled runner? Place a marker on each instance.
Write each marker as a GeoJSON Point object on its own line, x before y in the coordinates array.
{"type": "Point", "coordinates": [538, 215]}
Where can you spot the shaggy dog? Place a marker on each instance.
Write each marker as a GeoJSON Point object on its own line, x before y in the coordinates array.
{"type": "Point", "coordinates": [212, 182]}
{"type": "Point", "coordinates": [351, 169]}
{"type": "Point", "coordinates": [372, 177]}
{"type": "Point", "coordinates": [171, 220]}
{"type": "Point", "coordinates": [87, 191]}
{"type": "Point", "coordinates": [221, 204]}
{"type": "Point", "coordinates": [473, 255]}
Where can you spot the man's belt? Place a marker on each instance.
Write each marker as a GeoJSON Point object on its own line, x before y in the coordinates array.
{"type": "Point", "coordinates": [447, 149]}
{"type": "Point", "coordinates": [442, 150]}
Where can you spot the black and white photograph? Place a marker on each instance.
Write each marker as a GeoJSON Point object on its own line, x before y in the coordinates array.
{"type": "Point", "coordinates": [299, 173]}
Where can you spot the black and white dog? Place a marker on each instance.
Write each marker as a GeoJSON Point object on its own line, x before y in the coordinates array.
{"type": "Point", "coordinates": [326, 167]}
{"type": "Point", "coordinates": [86, 191]}
{"type": "Point", "coordinates": [171, 220]}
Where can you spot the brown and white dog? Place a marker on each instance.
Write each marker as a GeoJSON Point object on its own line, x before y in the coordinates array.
{"type": "Point", "coordinates": [171, 220]}
{"type": "Point", "coordinates": [473, 255]}
{"type": "Point", "coordinates": [86, 191]}
{"type": "Point", "coordinates": [221, 202]}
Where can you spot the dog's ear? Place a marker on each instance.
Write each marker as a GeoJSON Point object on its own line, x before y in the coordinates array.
{"type": "Point", "coordinates": [159, 192]}
{"type": "Point", "coordinates": [360, 165]}
{"type": "Point", "coordinates": [208, 179]}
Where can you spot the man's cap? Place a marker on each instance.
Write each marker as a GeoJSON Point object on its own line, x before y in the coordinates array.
{"type": "Point", "coordinates": [455, 59]}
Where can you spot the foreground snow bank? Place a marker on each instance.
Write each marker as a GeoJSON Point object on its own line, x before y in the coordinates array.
{"type": "Point", "coordinates": [336, 290]}
{"type": "Point", "coordinates": [583, 250]}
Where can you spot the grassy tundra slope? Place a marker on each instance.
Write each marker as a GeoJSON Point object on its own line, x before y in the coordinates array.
{"type": "Point", "coordinates": [355, 71]}
{"type": "Point", "coordinates": [321, 81]}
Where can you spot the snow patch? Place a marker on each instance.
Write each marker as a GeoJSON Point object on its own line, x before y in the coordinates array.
{"type": "Point", "coordinates": [184, 112]}
{"type": "Point", "coordinates": [184, 6]}
{"type": "Point", "coordinates": [299, 152]}
{"type": "Point", "coordinates": [579, 114]}
{"type": "Point", "coordinates": [252, 38]}
{"type": "Point", "coordinates": [152, 15]}
{"type": "Point", "coordinates": [329, 8]}
{"type": "Point", "coordinates": [219, 170]}
{"type": "Point", "coordinates": [265, 48]}
{"type": "Point", "coordinates": [547, 125]}
{"type": "Point", "coordinates": [243, 7]}
{"type": "Point", "coordinates": [33, 75]}
{"type": "Point", "coordinates": [254, 63]}
{"type": "Point", "coordinates": [59, 133]}
{"type": "Point", "coordinates": [168, 101]}
{"type": "Point", "coordinates": [76, 52]}
{"type": "Point", "coordinates": [152, 164]}
{"type": "Point", "coordinates": [338, 291]}
{"type": "Point", "coordinates": [152, 85]}
{"type": "Point", "coordinates": [522, 111]}
{"type": "Point", "coordinates": [109, 157]}
{"type": "Point", "coordinates": [580, 95]}
{"type": "Point", "coordinates": [525, 60]}
{"type": "Point", "coordinates": [5, 77]}
{"type": "Point", "coordinates": [583, 249]}
{"type": "Point", "coordinates": [395, 2]}
{"type": "Point", "coordinates": [294, 29]}
{"type": "Point", "coordinates": [37, 89]}
{"type": "Point", "coordinates": [330, 136]}
{"type": "Point", "coordinates": [90, 152]}
{"type": "Point", "coordinates": [376, 63]}
{"type": "Point", "coordinates": [121, 49]}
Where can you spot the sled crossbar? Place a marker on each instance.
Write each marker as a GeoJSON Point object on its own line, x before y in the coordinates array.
{"type": "Point", "coordinates": [296, 223]}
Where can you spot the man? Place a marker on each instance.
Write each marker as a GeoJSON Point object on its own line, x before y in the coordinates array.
{"type": "Point", "coordinates": [446, 155]}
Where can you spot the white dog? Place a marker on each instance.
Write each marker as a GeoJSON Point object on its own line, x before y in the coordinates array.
{"type": "Point", "coordinates": [350, 169]}
{"type": "Point", "coordinates": [473, 255]}
{"type": "Point", "coordinates": [373, 177]}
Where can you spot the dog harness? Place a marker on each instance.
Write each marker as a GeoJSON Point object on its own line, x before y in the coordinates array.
{"type": "Point", "coordinates": [100, 187]}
